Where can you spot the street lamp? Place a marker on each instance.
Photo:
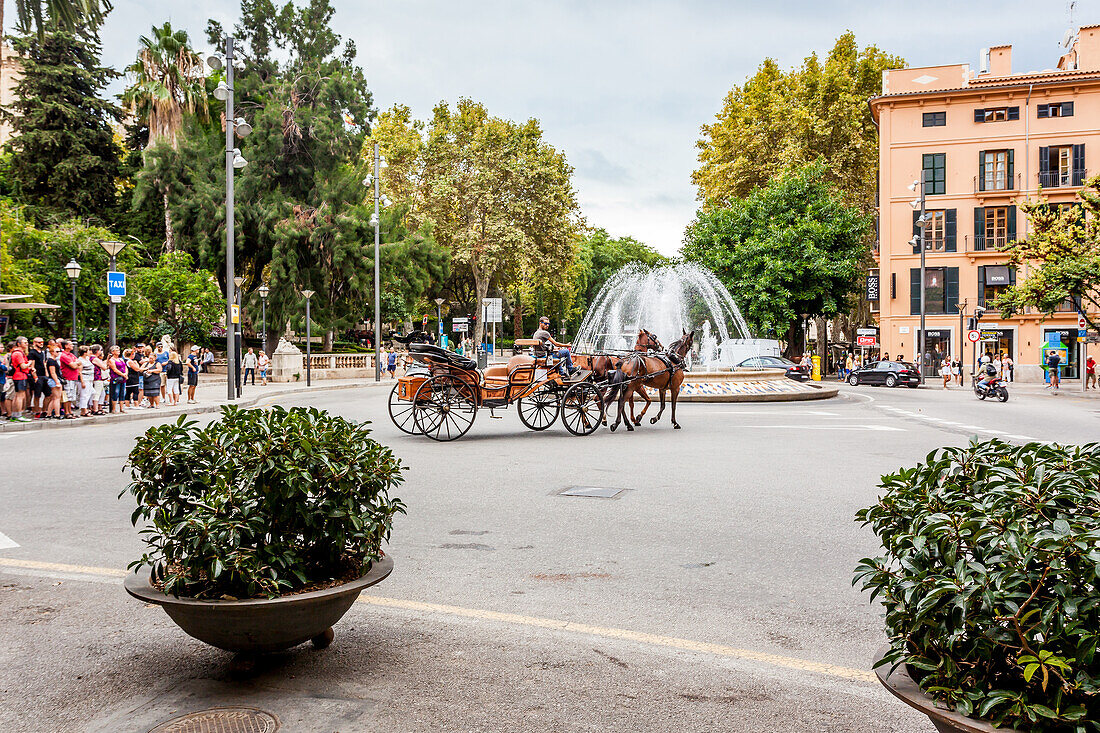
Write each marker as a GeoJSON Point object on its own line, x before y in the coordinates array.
{"type": "Point", "coordinates": [374, 178]}
{"type": "Point", "coordinates": [309, 353]}
{"type": "Point", "coordinates": [919, 240]}
{"type": "Point", "coordinates": [263, 290]}
{"type": "Point", "coordinates": [112, 249]}
{"type": "Point", "coordinates": [73, 271]}
{"type": "Point", "coordinates": [439, 318]}
{"type": "Point", "coordinates": [238, 282]}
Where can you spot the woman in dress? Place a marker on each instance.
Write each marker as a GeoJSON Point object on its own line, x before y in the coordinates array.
{"type": "Point", "coordinates": [263, 365]}
{"type": "Point", "coordinates": [173, 374]}
{"type": "Point", "coordinates": [133, 378]}
{"type": "Point", "coordinates": [117, 366]}
{"type": "Point", "coordinates": [945, 372]}
{"type": "Point", "coordinates": [53, 374]}
{"type": "Point", "coordinates": [153, 374]}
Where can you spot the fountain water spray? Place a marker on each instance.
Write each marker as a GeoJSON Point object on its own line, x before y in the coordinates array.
{"type": "Point", "coordinates": [668, 300]}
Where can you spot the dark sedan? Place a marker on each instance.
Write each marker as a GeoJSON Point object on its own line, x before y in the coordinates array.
{"type": "Point", "coordinates": [890, 373]}
{"type": "Point", "coordinates": [793, 371]}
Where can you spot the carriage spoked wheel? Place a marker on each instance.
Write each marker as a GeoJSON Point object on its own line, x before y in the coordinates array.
{"type": "Point", "coordinates": [444, 407]}
{"type": "Point", "coordinates": [402, 412]}
{"type": "Point", "coordinates": [539, 410]}
{"type": "Point", "coordinates": [582, 409]}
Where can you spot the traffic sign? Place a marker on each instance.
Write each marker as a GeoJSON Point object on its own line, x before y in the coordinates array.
{"type": "Point", "coordinates": [494, 309]}
{"type": "Point", "coordinates": [116, 284]}
{"type": "Point", "coordinates": [973, 336]}
{"type": "Point", "coordinates": [866, 332]}
{"type": "Point", "coordinates": [866, 340]}
{"type": "Point", "coordinates": [1081, 322]}
{"type": "Point", "coordinates": [236, 313]}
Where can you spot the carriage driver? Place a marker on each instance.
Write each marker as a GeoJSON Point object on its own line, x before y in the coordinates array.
{"type": "Point", "coordinates": [565, 365]}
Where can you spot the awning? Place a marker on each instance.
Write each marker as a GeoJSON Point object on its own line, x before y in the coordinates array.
{"type": "Point", "coordinates": [997, 275]}
{"type": "Point", "coordinates": [9, 306]}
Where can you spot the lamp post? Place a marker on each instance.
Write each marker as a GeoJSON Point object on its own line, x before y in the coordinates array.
{"type": "Point", "coordinates": [233, 161]}
{"type": "Point", "coordinates": [238, 282]}
{"type": "Point", "coordinates": [439, 318]}
{"type": "Point", "coordinates": [379, 200]}
{"type": "Point", "coordinates": [73, 271]}
{"type": "Point", "coordinates": [309, 353]}
{"type": "Point", "coordinates": [919, 240]}
{"type": "Point", "coordinates": [112, 249]}
{"type": "Point", "coordinates": [263, 290]}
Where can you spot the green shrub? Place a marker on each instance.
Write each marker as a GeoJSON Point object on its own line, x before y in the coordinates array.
{"type": "Point", "coordinates": [261, 502]}
{"type": "Point", "coordinates": [989, 580]}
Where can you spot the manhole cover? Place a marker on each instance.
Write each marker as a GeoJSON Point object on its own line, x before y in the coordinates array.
{"type": "Point", "coordinates": [221, 720]}
{"type": "Point", "coordinates": [596, 492]}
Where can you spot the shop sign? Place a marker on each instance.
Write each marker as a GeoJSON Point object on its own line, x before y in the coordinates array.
{"type": "Point", "coordinates": [997, 275]}
{"type": "Point", "coordinates": [941, 333]}
{"type": "Point", "coordinates": [866, 341]}
{"type": "Point", "coordinates": [872, 286]}
{"type": "Point", "coordinates": [866, 332]}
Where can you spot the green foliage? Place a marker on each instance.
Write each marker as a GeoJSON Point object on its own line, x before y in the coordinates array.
{"type": "Point", "coordinates": [1061, 256]}
{"type": "Point", "coordinates": [64, 157]}
{"type": "Point", "coordinates": [600, 256]}
{"type": "Point", "coordinates": [778, 120]}
{"type": "Point", "coordinates": [73, 16]}
{"type": "Point", "coordinates": [188, 301]}
{"type": "Point", "coordinates": [989, 580]}
{"type": "Point", "coordinates": [792, 247]}
{"type": "Point", "coordinates": [167, 83]}
{"type": "Point", "coordinates": [261, 501]}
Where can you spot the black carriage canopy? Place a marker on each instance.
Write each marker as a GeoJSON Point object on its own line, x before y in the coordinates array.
{"type": "Point", "coordinates": [436, 352]}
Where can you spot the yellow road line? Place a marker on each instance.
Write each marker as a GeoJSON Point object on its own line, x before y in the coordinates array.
{"type": "Point", "coordinates": [672, 642]}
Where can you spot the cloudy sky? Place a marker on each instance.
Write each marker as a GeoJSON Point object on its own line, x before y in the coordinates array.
{"type": "Point", "coordinates": [623, 86]}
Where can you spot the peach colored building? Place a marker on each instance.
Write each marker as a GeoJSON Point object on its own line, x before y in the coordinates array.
{"type": "Point", "coordinates": [987, 139]}
{"type": "Point", "coordinates": [13, 71]}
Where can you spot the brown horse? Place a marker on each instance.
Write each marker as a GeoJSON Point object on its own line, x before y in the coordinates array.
{"type": "Point", "coordinates": [664, 372]}
{"type": "Point", "coordinates": [608, 368]}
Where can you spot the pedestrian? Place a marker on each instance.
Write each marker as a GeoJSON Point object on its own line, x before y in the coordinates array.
{"type": "Point", "coordinates": [886, 356]}
{"type": "Point", "coordinates": [100, 374]}
{"type": "Point", "coordinates": [958, 368]}
{"type": "Point", "coordinates": [39, 391]}
{"type": "Point", "coordinates": [117, 366]}
{"type": "Point", "coordinates": [194, 365]}
{"type": "Point", "coordinates": [997, 364]}
{"type": "Point", "coordinates": [173, 377]}
{"type": "Point", "coordinates": [945, 371]}
{"type": "Point", "coordinates": [207, 360]}
{"type": "Point", "coordinates": [70, 375]}
{"type": "Point", "coordinates": [1008, 366]}
{"type": "Point", "coordinates": [1053, 361]}
{"type": "Point", "coordinates": [161, 355]}
{"type": "Point", "coordinates": [262, 364]}
{"type": "Point", "coordinates": [20, 375]}
{"type": "Point", "coordinates": [152, 382]}
{"type": "Point", "coordinates": [250, 362]}
{"type": "Point", "coordinates": [4, 382]}
{"type": "Point", "coordinates": [133, 378]}
{"type": "Point", "coordinates": [1090, 372]}
{"type": "Point", "coordinates": [391, 362]}
{"type": "Point", "coordinates": [53, 381]}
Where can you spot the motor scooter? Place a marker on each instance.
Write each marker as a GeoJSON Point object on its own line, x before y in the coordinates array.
{"type": "Point", "coordinates": [995, 388]}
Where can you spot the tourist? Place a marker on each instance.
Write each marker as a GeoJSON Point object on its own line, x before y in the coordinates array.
{"type": "Point", "coordinates": [1007, 366]}
{"type": "Point", "coordinates": [1090, 372]}
{"type": "Point", "coordinates": [945, 371]}
{"type": "Point", "coordinates": [161, 355]}
{"type": "Point", "coordinates": [173, 376]}
{"type": "Point", "coordinates": [53, 382]}
{"type": "Point", "coordinates": [39, 391]}
{"type": "Point", "coordinates": [4, 383]}
{"type": "Point", "coordinates": [133, 377]}
{"type": "Point", "coordinates": [998, 365]}
{"type": "Point", "coordinates": [70, 375]}
{"type": "Point", "coordinates": [207, 359]}
{"type": "Point", "coordinates": [249, 362]}
{"type": "Point", "coordinates": [20, 374]}
{"type": "Point", "coordinates": [194, 365]}
{"type": "Point", "coordinates": [1053, 362]}
{"type": "Point", "coordinates": [391, 363]}
{"type": "Point", "coordinates": [117, 366]}
{"type": "Point", "coordinates": [100, 374]}
{"type": "Point", "coordinates": [152, 382]}
{"type": "Point", "coordinates": [262, 364]}
{"type": "Point", "coordinates": [958, 368]}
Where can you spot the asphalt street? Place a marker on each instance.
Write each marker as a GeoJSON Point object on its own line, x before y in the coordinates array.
{"type": "Point", "coordinates": [713, 593]}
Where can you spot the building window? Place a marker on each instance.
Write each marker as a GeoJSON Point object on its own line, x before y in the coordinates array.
{"type": "Point", "coordinates": [1059, 109]}
{"type": "Point", "coordinates": [941, 290]}
{"type": "Point", "coordinates": [935, 173]}
{"type": "Point", "coordinates": [994, 227]}
{"type": "Point", "coordinates": [997, 114]}
{"type": "Point", "coordinates": [992, 281]}
{"type": "Point", "coordinates": [934, 119]}
{"type": "Point", "coordinates": [939, 231]}
{"type": "Point", "coordinates": [1062, 165]}
{"type": "Point", "coordinates": [995, 170]}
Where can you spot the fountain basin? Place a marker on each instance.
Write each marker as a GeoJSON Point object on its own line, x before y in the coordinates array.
{"type": "Point", "coordinates": [749, 385]}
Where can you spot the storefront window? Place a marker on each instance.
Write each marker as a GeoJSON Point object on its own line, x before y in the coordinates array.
{"type": "Point", "coordinates": [997, 342]}
{"type": "Point", "coordinates": [937, 345]}
{"type": "Point", "coordinates": [1064, 341]}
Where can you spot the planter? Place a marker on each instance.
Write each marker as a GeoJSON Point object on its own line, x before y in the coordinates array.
{"type": "Point", "coordinates": [903, 687]}
{"type": "Point", "coordinates": [261, 624]}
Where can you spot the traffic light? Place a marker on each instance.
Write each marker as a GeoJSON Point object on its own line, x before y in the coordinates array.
{"type": "Point", "coordinates": [971, 323]}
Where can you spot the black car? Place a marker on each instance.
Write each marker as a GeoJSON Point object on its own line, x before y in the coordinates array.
{"type": "Point", "coordinates": [793, 371]}
{"type": "Point", "coordinates": [890, 373]}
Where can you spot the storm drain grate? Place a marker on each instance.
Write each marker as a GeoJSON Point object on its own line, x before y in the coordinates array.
{"type": "Point", "coordinates": [221, 720]}
{"type": "Point", "coordinates": [595, 492]}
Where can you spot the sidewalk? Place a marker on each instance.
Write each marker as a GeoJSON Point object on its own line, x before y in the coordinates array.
{"type": "Point", "coordinates": [207, 388]}
{"type": "Point", "coordinates": [1070, 389]}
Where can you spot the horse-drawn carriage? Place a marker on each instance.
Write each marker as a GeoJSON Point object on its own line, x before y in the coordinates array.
{"type": "Point", "coordinates": [441, 392]}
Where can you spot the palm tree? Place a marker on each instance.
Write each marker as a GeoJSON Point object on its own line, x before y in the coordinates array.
{"type": "Point", "coordinates": [168, 83]}
{"type": "Point", "coordinates": [71, 16]}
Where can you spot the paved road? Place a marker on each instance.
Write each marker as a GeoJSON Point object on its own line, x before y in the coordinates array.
{"type": "Point", "coordinates": [713, 594]}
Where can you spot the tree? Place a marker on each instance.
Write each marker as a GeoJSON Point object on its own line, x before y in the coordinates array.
{"type": "Point", "coordinates": [790, 248]}
{"type": "Point", "coordinates": [70, 16]}
{"type": "Point", "coordinates": [496, 195]}
{"type": "Point", "coordinates": [64, 156]}
{"type": "Point", "coordinates": [168, 82]}
{"type": "Point", "coordinates": [1063, 251]}
{"type": "Point", "coordinates": [602, 255]}
{"type": "Point", "coordinates": [186, 300]}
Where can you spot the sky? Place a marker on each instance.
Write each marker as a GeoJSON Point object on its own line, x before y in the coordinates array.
{"type": "Point", "coordinates": [623, 86]}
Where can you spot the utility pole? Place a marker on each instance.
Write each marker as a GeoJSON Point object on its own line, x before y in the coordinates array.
{"type": "Point", "coordinates": [377, 284]}
{"type": "Point", "coordinates": [230, 299]}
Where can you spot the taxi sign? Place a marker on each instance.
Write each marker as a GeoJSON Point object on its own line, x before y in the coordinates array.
{"type": "Point", "coordinates": [116, 285]}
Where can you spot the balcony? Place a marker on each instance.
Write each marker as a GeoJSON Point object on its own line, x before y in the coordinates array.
{"type": "Point", "coordinates": [1062, 179]}
{"type": "Point", "coordinates": [986, 244]}
{"type": "Point", "coordinates": [994, 184]}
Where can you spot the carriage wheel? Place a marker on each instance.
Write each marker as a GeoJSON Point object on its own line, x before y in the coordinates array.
{"type": "Point", "coordinates": [539, 410]}
{"type": "Point", "coordinates": [582, 409]}
{"type": "Point", "coordinates": [445, 407]}
{"type": "Point", "coordinates": [402, 412]}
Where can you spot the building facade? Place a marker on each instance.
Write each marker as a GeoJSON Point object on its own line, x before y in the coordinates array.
{"type": "Point", "coordinates": [983, 142]}
{"type": "Point", "coordinates": [12, 73]}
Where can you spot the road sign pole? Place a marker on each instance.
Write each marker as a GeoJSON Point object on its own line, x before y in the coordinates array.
{"type": "Point", "coordinates": [111, 310]}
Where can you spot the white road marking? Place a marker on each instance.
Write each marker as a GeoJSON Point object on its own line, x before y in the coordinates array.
{"type": "Point", "coordinates": [833, 426]}
{"type": "Point", "coordinates": [820, 413]}
{"type": "Point", "coordinates": [7, 542]}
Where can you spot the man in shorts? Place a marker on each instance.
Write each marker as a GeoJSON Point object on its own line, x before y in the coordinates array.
{"type": "Point", "coordinates": [20, 374]}
{"type": "Point", "coordinates": [70, 376]}
{"type": "Point", "coordinates": [1053, 362]}
{"type": "Point", "coordinates": [193, 367]}
{"type": "Point", "coordinates": [40, 389]}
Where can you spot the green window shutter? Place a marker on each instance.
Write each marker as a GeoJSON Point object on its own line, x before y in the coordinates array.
{"type": "Point", "coordinates": [981, 285]}
{"type": "Point", "coordinates": [1079, 164]}
{"type": "Point", "coordinates": [949, 230]}
{"type": "Point", "coordinates": [1042, 110]}
{"type": "Point", "coordinates": [951, 290]}
{"type": "Point", "coordinates": [1067, 109]}
{"type": "Point", "coordinates": [979, 225]}
{"type": "Point", "coordinates": [914, 291]}
{"type": "Point", "coordinates": [979, 115]}
{"type": "Point", "coordinates": [1013, 113]}
{"type": "Point", "coordinates": [1011, 223]}
{"type": "Point", "coordinates": [981, 170]}
{"type": "Point", "coordinates": [1011, 275]}
{"type": "Point", "coordinates": [1044, 166]}
{"type": "Point", "coordinates": [1010, 182]}
{"type": "Point", "coordinates": [916, 231]}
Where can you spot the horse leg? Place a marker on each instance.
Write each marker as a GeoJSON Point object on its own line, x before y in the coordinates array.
{"type": "Point", "coordinates": [653, 420]}
{"type": "Point", "coordinates": [640, 389]}
{"type": "Point", "coordinates": [675, 393]}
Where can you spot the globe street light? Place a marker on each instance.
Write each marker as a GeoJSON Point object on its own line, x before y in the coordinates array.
{"type": "Point", "coordinates": [309, 353]}
{"type": "Point", "coordinates": [263, 290]}
{"type": "Point", "coordinates": [73, 271]}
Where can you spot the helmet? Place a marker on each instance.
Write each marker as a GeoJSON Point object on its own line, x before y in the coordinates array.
{"type": "Point", "coordinates": [990, 370]}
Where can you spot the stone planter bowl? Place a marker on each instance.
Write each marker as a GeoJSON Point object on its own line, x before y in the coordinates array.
{"type": "Point", "coordinates": [903, 687]}
{"type": "Point", "coordinates": [261, 624]}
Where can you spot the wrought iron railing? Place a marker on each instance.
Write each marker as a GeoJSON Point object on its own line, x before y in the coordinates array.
{"type": "Point", "coordinates": [1062, 179]}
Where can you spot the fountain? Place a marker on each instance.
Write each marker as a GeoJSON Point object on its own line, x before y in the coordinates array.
{"type": "Point", "coordinates": [670, 299]}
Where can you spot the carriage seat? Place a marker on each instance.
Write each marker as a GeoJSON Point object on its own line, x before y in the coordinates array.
{"type": "Point", "coordinates": [435, 352]}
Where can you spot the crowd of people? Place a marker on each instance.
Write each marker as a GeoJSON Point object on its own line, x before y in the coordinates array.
{"type": "Point", "coordinates": [57, 379]}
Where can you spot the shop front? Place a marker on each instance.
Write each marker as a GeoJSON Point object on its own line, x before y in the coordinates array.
{"type": "Point", "coordinates": [1064, 342]}
{"type": "Point", "coordinates": [937, 345]}
{"type": "Point", "coordinates": [997, 342]}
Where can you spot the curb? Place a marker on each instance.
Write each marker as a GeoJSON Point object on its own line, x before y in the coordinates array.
{"type": "Point", "coordinates": [10, 427]}
{"type": "Point", "coordinates": [818, 393]}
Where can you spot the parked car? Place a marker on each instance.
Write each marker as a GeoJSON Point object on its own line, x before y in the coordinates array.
{"type": "Point", "coordinates": [793, 371]}
{"type": "Point", "coordinates": [890, 373]}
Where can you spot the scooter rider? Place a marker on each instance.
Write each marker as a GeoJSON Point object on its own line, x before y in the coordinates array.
{"type": "Point", "coordinates": [989, 375]}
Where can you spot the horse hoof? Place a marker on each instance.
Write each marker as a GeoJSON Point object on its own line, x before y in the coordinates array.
{"type": "Point", "coordinates": [612, 427]}
{"type": "Point", "coordinates": [629, 429]}
{"type": "Point", "coordinates": [675, 426]}
{"type": "Point", "coordinates": [652, 421]}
